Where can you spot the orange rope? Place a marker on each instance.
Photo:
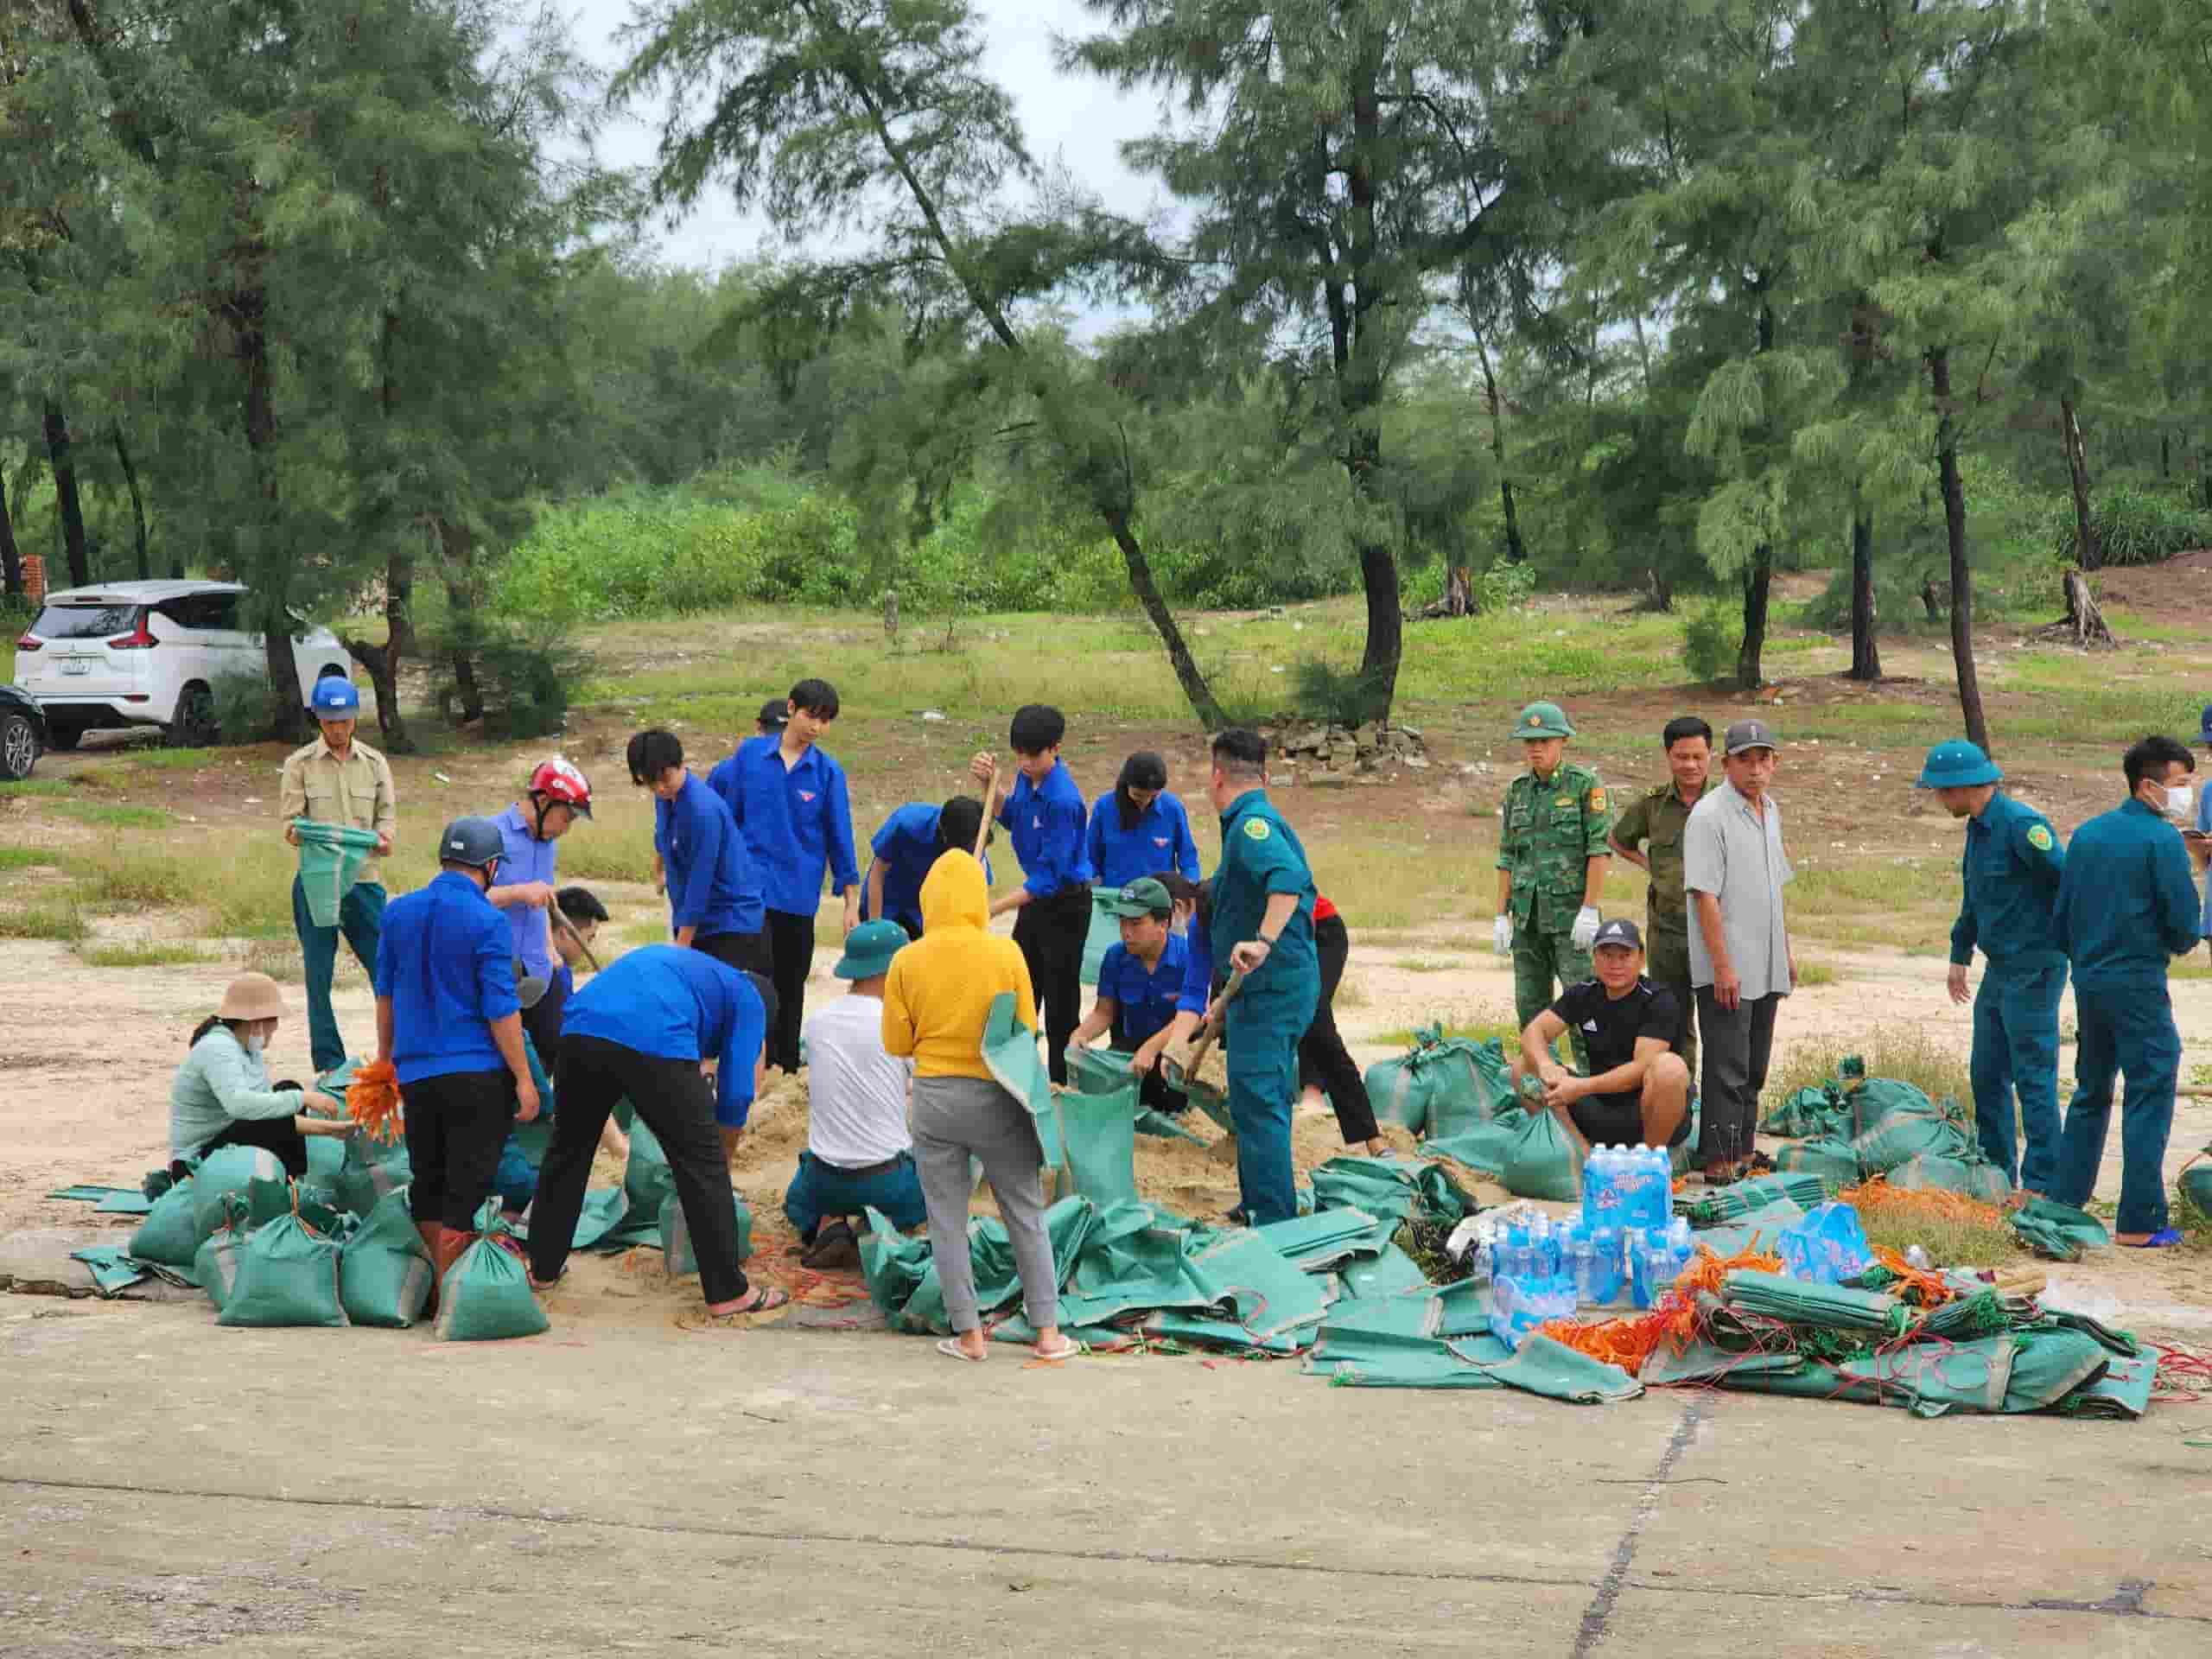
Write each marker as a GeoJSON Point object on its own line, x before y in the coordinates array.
{"type": "Point", "coordinates": [1877, 1197]}
{"type": "Point", "coordinates": [373, 1100]}
{"type": "Point", "coordinates": [1629, 1341]}
{"type": "Point", "coordinates": [1915, 1285]}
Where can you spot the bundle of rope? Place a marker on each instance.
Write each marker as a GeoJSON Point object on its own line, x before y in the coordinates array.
{"type": "Point", "coordinates": [373, 1100]}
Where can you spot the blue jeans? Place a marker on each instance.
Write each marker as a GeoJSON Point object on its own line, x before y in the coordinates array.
{"type": "Point", "coordinates": [1264, 1028]}
{"type": "Point", "coordinates": [360, 918]}
{"type": "Point", "coordinates": [2125, 1030]}
{"type": "Point", "coordinates": [819, 1191]}
{"type": "Point", "coordinates": [2016, 1049]}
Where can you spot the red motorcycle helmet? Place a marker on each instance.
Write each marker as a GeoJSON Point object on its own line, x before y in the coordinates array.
{"type": "Point", "coordinates": [558, 783]}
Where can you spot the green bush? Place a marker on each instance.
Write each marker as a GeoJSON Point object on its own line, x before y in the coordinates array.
{"type": "Point", "coordinates": [1341, 696]}
{"type": "Point", "coordinates": [1897, 607]}
{"type": "Point", "coordinates": [245, 710]}
{"type": "Point", "coordinates": [1713, 633]}
{"type": "Point", "coordinates": [2133, 526]}
{"type": "Point", "coordinates": [522, 679]}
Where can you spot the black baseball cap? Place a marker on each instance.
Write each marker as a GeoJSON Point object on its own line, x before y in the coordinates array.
{"type": "Point", "coordinates": [1750, 734]}
{"type": "Point", "coordinates": [1619, 931]}
{"type": "Point", "coordinates": [776, 712]}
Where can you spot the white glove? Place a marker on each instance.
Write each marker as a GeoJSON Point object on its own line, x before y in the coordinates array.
{"type": "Point", "coordinates": [1501, 936]}
{"type": "Point", "coordinates": [1586, 921]}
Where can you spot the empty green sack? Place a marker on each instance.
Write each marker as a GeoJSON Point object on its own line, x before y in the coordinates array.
{"type": "Point", "coordinates": [331, 857]}
{"type": "Point", "coordinates": [383, 1273]}
{"type": "Point", "coordinates": [675, 1235]}
{"type": "Point", "coordinates": [287, 1275]}
{"type": "Point", "coordinates": [486, 1295]}
{"type": "Point", "coordinates": [647, 1181]}
{"type": "Point", "coordinates": [1543, 1162]}
{"type": "Point", "coordinates": [1099, 1135]}
{"type": "Point", "coordinates": [171, 1233]}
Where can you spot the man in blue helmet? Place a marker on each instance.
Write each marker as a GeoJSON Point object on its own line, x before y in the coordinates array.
{"type": "Point", "coordinates": [2010, 870]}
{"type": "Point", "coordinates": [337, 779]}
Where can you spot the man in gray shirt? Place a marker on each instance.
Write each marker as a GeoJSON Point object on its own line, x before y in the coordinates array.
{"type": "Point", "coordinates": [1733, 869]}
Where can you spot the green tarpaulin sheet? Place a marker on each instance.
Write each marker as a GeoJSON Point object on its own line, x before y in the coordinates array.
{"type": "Point", "coordinates": [1804, 1301]}
{"type": "Point", "coordinates": [331, 857]}
{"type": "Point", "coordinates": [1389, 1188]}
{"type": "Point", "coordinates": [2121, 1391]}
{"type": "Point", "coordinates": [1540, 1366]}
{"type": "Point", "coordinates": [1925, 1378]}
{"type": "Point", "coordinates": [107, 1200]}
{"type": "Point", "coordinates": [2057, 1230]}
{"type": "Point", "coordinates": [112, 1270]}
{"type": "Point", "coordinates": [1386, 1276]}
{"type": "Point", "coordinates": [1326, 1237]}
{"type": "Point", "coordinates": [1811, 1114]}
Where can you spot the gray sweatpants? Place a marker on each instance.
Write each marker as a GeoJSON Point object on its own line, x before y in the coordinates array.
{"type": "Point", "coordinates": [954, 1117]}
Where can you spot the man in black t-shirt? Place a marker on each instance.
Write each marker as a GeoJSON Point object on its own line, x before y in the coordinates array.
{"type": "Point", "coordinates": [1637, 1092]}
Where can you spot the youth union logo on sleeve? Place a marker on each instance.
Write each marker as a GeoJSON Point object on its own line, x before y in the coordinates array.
{"type": "Point", "coordinates": [806, 794]}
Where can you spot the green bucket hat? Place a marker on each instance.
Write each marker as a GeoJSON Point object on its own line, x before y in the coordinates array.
{"type": "Point", "coordinates": [1542, 720]}
{"type": "Point", "coordinates": [1958, 765]}
{"type": "Point", "coordinates": [1145, 897]}
{"type": "Point", "coordinates": [869, 949]}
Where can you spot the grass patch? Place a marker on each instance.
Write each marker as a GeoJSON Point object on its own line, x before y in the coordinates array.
{"type": "Point", "coordinates": [62, 923]}
{"type": "Point", "coordinates": [145, 956]}
{"type": "Point", "coordinates": [26, 858]}
{"type": "Point", "coordinates": [35, 786]}
{"type": "Point", "coordinates": [135, 879]}
{"type": "Point", "coordinates": [1427, 965]}
{"type": "Point", "coordinates": [278, 960]}
{"type": "Point", "coordinates": [1815, 973]}
{"type": "Point", "coordinates": [1475, 1027]}
{"type": "Point", "coordinates": [1950, 1243]}
{"type": "Point", "coordinates": [1907, 1053]}
{"type": "Point", "coordinates": [108, 816]}
{"type": "Point", "coordinates": [1351, 993]}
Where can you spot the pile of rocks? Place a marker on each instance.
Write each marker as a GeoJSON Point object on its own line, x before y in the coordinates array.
{"type": "Point", "coordinates": [1325, 754]}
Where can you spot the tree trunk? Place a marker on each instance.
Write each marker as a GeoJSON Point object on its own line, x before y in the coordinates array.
{"type": "Point", "coordinates": [1193, 682]}
{"type": "Point", "coordinates": [2084, 624]}
{"type": "Point", "coordinates": [1955, 529]}
{"type": "Point", "coordinates": [1758, 583]}
{"type": "Point", "coordinates": [459, 572]}
{"type": "Point", "coordinates": [1866, 651]}
{"type": "Point", "coordinates": [64, 495]}
{"type": "Point", "coordinates": [2087, 553]}
{"type": "Point", "coordinates": [248, 310]}
{"type": "Point", "coordinates": [137, 501]}
{"type": "Point", "coordinates": [11, 559]}
{"type": "Point", "coordinates": [1514, 552]}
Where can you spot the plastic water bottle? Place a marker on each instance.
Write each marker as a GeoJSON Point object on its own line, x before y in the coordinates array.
{"type": "Point", "coordinates": [1605, 1266]}
{"type": "Point", "coordinates": [1582, 1265]}
{"type": "Point", "coordinates": [1544, 1264]}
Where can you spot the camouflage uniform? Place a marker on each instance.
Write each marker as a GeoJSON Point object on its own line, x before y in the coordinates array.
{"type": "Point", "coordinates": [1551, 831]}
{"type": "Point", "coordinates": [1654, 825]}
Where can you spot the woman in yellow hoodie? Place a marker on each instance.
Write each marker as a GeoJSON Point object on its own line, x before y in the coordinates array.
{"type": "Point", "coordinates": [935, 1003]}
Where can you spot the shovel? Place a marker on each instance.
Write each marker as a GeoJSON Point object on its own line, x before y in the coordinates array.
{"type": "Point", "coordinates": [563, 924]}
{"type": "Point", "coordinates": [983, 830]}
{"type": "Point", "coordinates": [1183, 1074]}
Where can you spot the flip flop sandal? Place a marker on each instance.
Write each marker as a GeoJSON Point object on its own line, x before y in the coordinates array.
{"type": "Point", "coordinates": [698, 1318]}
{"type": "Point", "coordinates": [951, 1348]}
{"type": "Point", "coordinates": [2163, 1240]}
{"type": "Point", "coordinates": [1067, 1349]}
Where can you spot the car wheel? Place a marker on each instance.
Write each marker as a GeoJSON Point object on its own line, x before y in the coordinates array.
{"type": "Point", "coordinates": [59, 734]}
{"type": "Point", "coordinates": [193, 726]}
{"type": "Point", "coordinates": [18, 748]}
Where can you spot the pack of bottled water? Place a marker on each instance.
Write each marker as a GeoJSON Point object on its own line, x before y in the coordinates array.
{"type": "Point", "coordinates": [1532, 1278]}
{"type": "Point", "coordinates": [1627, 1188]}
{"type": "Point", "coordinates": [1657, 1258]}
{"type": "Point", "coordinates": [1827, 1247]}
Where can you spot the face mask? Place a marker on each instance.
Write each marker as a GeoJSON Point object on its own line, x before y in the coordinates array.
{"type": "Point", "coordinates": [253, 1042]}
{"type": "Point", "coordinates": [2180, 798]}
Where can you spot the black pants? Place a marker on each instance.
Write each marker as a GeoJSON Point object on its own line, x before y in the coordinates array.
{"type": "Point", "coordinates": [1738, 1043]}
{"type": "Point", "coordinates": [456, 1124]}
{"type": "Point", "coordinates": [749, 954]}
{"type": "Point", "coordinates": [790, 944]}
{"type": "Point", "coordinates": [1051, 932]}
{"type": "Point", "coordinates": [277, 1135]}
{"type": "Point", "coordinates": [678, 1104]}
{"type": "Point", "coordinates": [542, 1024]}
{"type": "Point", "coordinates": [1323, 1062]}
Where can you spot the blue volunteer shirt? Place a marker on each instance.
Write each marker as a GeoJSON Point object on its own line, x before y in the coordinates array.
{"type": "Point", "coordinates": [906, 847]}
{"type": "Point", "coordinates": [2127, 901]}
{"type": "Point", "coordinates": [1198, 970]}
{"type": "Point", "coordinates": [797, 821]}
{"type": "Point", "coordinates": [523, 858]}
{"type": "Point", "coordinates": [1046, 824]}
{"type": "Point", "coordinates": [2010, 869]}
{"type": "Point", "coordinates": [712, 884]}
{"type": "Point", "coordinates": [1159, 840]}
{"type": "Point", "coordinates": [678, 1005]}
{"type": "Point", "coordinates": [1144, 1000]}
{"type": "Point", "coordinates": [447, 961]}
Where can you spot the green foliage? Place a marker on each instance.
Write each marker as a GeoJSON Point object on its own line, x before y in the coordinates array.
{"type": "Point", "coordinates": [245, 709]}
{"type": "Point", "coordinates": [1341, 696]}
{"type": "Point", "coordinates": [2133, 526]}
{"type": "Point", "coordinates": [1713, 633]}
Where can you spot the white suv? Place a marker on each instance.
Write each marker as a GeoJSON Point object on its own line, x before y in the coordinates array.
{"type": "Point", "coordinates": [150, 653]}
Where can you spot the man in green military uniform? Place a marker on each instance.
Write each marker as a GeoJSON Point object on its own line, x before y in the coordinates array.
{"type": "Point", "coordinates": [1551, 866]}
{"type": "Point", "coordinates": [1649, 836]}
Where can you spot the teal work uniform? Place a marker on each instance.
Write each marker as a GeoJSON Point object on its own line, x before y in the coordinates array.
{"type": "Point", "coordinates": [2127, 903]}
{"type": "Point", "coordinates": [2010, 870]}
{"type": "Point", "coordinates": [1260, 857]}
{"type": "Point", "coordinates": [1552, 829]}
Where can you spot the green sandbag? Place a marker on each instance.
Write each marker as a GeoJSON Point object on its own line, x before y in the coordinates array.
{"type": "Point", "coordinates": [287, 1275]}
{"type": "Point", "coordinates": [647, 1181]}
{"type": "Point", "coordinates": [228, 1170]}
{"type": "Point", "coordinates": [2055, 1230]}
{"type": "Point", "coordinates": [170, 1233]}
{"type": "Point", "coordinates": [215, 1264]}
{"type": "Point", "coordinates": [1835, 1161]}
{"type": "Point", "coordinates": [331, 857]}
{"type": "Point", "coordinates": [1010, 1052]}
{"type": "Point", "coordinates": [383, 1273]}
{"type": "Point", "coordinates": [1969, 1175]}
{"type": "Point", "coordinates": [1099, 1134]}
{"type": "Point", "coordinates": [325, 1157]}
{"type": "Point", "coordinates": [1098, 1070]}
{"type": "Point", "coordinates": [1439, 1087]}
{"type": "Point", "coordinates": [1543, 1162]}
{"type": "Point", "coordinates": [1104, 933]}
{"type": "Point", "coordinates": [1810, 1113]}
{"type": "Point", "coordinates": [1905, 1134]}
{"type": "Point", "coordinates": [371, 1171]}
{"type": "Point", "coordinates": [675, 1235]}
{"type": "Point", "coordinates": [2195, 1186]}
{"type": "Point", "coordinates": [1485, 1147]}
{"type": "Point", "coordinates": [1164, 1126]}
{"type": "Point", "coordinates": [486, 1295]}
{"type": "Point", "coordinates": [1320, 1241]}
{"type": "Point", "coordinates": [1874, 1101]}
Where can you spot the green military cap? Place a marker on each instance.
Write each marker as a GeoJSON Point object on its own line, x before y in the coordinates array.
{"type": "Point", "coordinates": [1143, 897]}
{"type": "Point", "coordinates": [1543, 720]}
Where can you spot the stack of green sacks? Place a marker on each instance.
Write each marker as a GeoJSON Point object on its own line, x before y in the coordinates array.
{"type": "Point", "coordinates": [1441, 1086]}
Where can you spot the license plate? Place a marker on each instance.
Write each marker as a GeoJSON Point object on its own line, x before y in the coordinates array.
{"type": "Point", "coordinates": [76, 665]}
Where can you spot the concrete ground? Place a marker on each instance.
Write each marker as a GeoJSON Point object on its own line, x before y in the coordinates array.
{"type": "Point", "coordinates": [167, 1484]}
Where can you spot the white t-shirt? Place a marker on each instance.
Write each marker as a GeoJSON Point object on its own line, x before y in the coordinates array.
{"type": "Point", "coordinates": [855, 1093]}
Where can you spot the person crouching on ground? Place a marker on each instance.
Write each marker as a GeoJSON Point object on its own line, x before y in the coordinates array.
{"type": "Point", "coordinates": [448, 1022]}
{"type": "Point", "coordinates": [1138, 983]}
{"type": "Point", "coordinates": [1638, 1089]}
{"type": "Point", "coordinates": [936, 999]}
{"type": "Point", "coordinates": [222, 1097]}
{"type": "Point", "coordinates": [859, 1154]}
{"type": "Point", "coordinates": [641, 1030]}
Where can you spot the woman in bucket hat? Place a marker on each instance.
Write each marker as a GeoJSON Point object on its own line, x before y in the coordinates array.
{"type": "Point", "coordinates": [222, 1097]}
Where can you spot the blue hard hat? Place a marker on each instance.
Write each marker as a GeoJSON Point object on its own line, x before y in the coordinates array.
{"type": "Point", "coordinates": [1958, 765]}
{"type": "Point", "coordinates": [474, 842]}
{"type": "Point", "coordinates": [335, 696]}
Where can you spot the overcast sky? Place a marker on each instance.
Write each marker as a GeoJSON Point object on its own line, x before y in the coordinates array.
{"type": "Point", "coordinates": [1074, 119]}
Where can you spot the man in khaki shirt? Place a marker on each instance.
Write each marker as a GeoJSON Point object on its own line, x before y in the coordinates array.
{"type": "Point", "coordinates": [337, 780]}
